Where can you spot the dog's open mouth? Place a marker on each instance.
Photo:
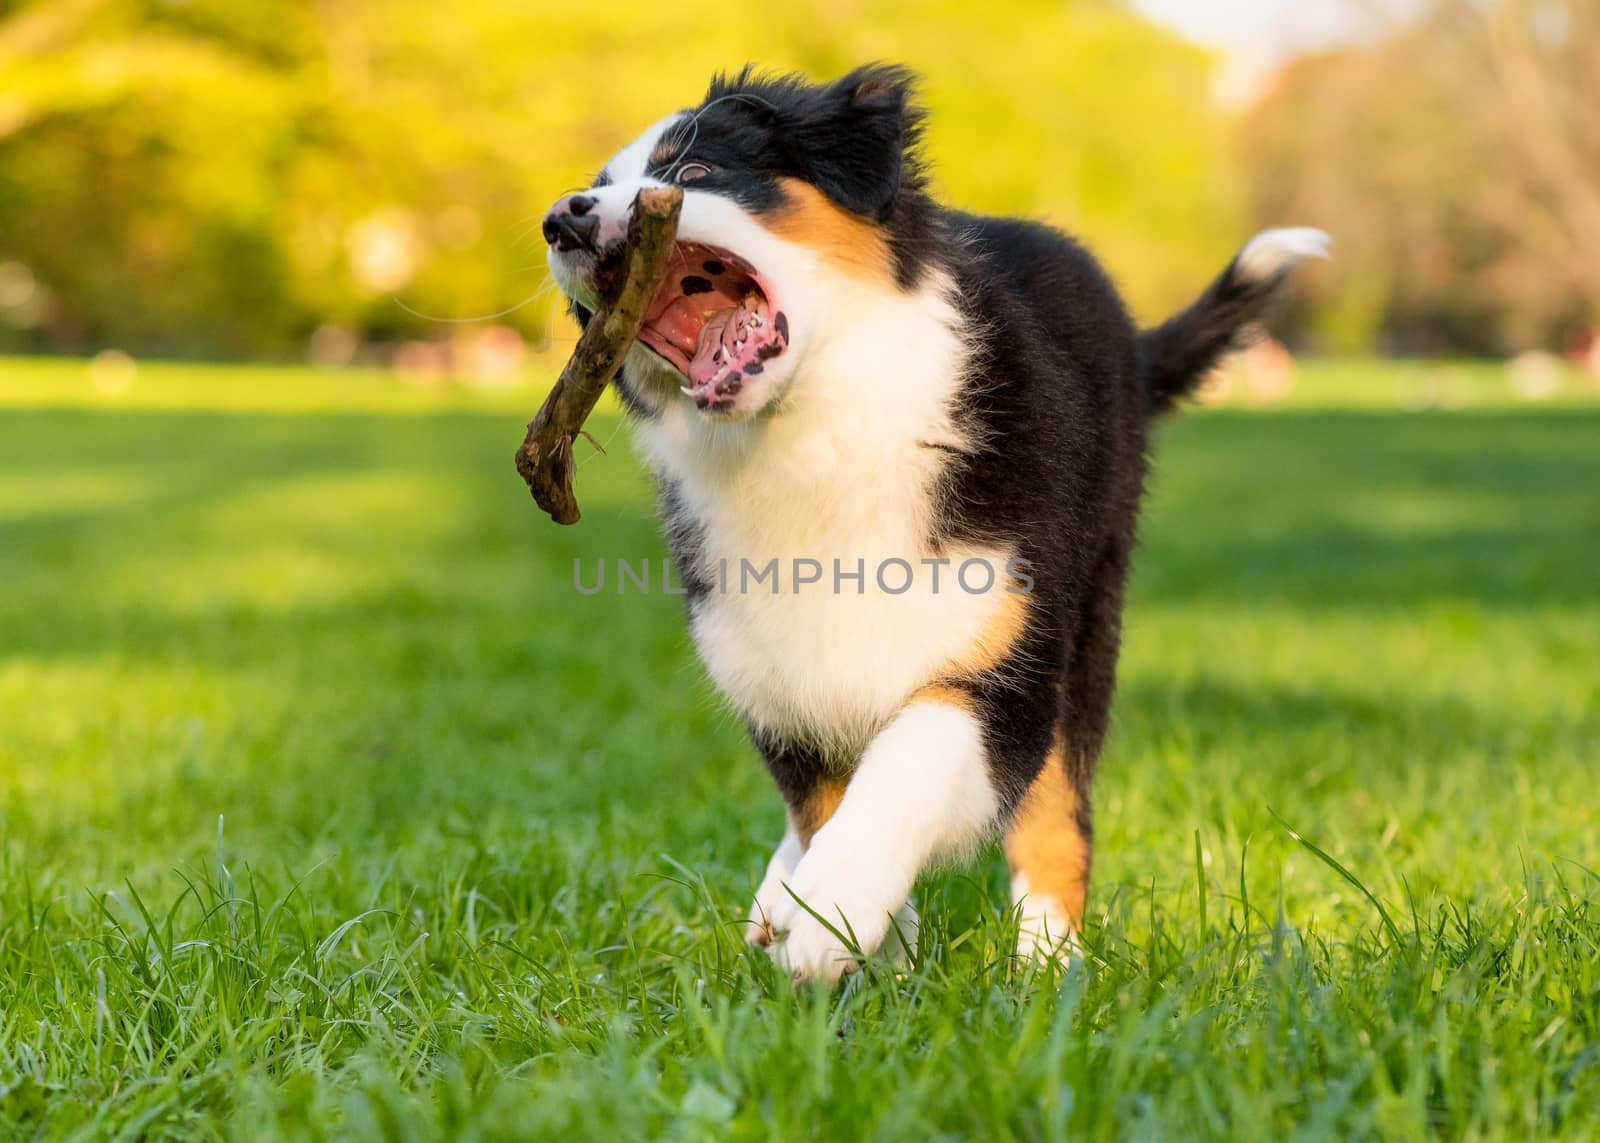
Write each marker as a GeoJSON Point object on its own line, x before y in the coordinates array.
{"type": "Point", "coordinates": [715, 320]}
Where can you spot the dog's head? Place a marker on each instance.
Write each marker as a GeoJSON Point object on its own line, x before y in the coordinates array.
{"type": "Point", "coordinates": [797, 198]}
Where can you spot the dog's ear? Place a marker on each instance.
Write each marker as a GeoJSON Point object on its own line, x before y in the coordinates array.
{"type": "Point", "coordinates": [853, 140]}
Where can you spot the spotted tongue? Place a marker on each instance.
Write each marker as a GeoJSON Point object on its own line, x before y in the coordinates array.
{"type": "Point", "coordinates": [729, 342]}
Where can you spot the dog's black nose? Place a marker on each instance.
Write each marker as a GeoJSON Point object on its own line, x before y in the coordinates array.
{"type": "Point", "coordinates": [569, 225]}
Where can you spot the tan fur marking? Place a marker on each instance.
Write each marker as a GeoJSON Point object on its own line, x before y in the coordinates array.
{"type": "Point", "coordinates": [815, 811]}
{"type": "Point", "coordinates": [849, 242]}
{"type": "Point", "coordinates": [1043, 843]}
{"type": "Point", "coordinates": [998, 637]}
{"type": "Point", "coordinates": [663, 152]}
{"type": "Point", "coordinates": [945, 694]}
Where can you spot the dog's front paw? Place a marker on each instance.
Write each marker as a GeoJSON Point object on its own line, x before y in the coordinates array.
{"type": "Point", "coordinates": [812, 954]}
{"type": "Point", "coordinates": [821, 928]}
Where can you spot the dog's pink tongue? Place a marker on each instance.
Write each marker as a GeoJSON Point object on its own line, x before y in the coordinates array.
{"type": "Point", "coordinates": [727, 343]}
{"type": "Point", "coordinates": [679, 322]}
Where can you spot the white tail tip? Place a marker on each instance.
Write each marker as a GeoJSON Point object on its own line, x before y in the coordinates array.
{"type": "Point", "coordinates": [1271, 252]}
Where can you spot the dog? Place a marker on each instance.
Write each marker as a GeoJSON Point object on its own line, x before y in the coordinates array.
{"type": "Point", "coordinates": [841, 376]}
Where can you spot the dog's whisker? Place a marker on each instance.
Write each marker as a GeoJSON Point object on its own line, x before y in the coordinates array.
{"type": "Point", "coordinates": [539, 292]}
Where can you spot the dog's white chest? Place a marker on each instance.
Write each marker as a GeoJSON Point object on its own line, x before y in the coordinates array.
{"type": "Point", "coordinates": [839, 486]}
{"type": "Point", "coordinates": [836, 658]}
{"type": "Point", "coordinates": [845, 501]}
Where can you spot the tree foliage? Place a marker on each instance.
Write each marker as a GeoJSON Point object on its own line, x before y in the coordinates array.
{"type": "Point", "coordinates": [223, 176]}
{"type": "Point", "coordinates": [1458, 163]}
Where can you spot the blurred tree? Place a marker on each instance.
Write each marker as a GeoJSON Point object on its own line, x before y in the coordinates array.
{"type": "Point", "coordinates": [224, 176]}
{"type": "Point", "coordinates": [1457, 161]}
{"type": "Point", "coordinates": [218, 177]}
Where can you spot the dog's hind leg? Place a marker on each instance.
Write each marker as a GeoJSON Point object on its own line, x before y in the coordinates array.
{"type": "Point", "coordinates": [1050, 841]}
{"type": "Point", "coordinates": [1048, 849]}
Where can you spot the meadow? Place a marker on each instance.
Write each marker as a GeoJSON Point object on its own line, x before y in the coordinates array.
{"type": "Point", "coordinates": [330, 809]}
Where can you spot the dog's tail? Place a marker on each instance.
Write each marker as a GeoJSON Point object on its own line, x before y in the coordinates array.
{"type": "Point", "coordinates": [1178, 353]}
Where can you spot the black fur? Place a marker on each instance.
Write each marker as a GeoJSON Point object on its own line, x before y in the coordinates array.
{"type": "Point", "coordinates": [1059, 399]}
{"type": "Point", "coordinates": [1179, 352]}
{"type": "Point", "coordinates": [855, 139]}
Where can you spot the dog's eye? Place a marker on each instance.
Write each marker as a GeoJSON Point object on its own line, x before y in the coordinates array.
{"type": "Point", "coordinates": [689, 172]}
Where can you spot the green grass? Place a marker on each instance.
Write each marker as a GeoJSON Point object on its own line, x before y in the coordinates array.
{"type": "Point", "coordinates": [330, 809]}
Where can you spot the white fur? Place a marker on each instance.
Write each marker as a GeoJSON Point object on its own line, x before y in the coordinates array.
{"type": "Point", "coordinates": [903, 926]}
{"type": "Point", "coordinates": [833, 471]}
{"type": "Point", "coordinates": [1043, 929]}
{"type": "Point", "coordinates": [922, 791]}
{"type": "Point", "coordinates": [612, 206]}
{"type": "Point", "coordinates": [824, 459]}
{"type": "Point", "coordinates": [1273, 251]}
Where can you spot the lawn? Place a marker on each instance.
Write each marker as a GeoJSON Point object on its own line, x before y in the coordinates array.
{"type": "Point", "coordinates": [329, 808]}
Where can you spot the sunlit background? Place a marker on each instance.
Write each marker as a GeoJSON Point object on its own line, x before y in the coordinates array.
{"type": "Point", "coordinates": [224, 179]}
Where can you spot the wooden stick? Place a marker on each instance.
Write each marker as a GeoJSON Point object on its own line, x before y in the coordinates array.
{"type": "Point", "coordinates": [627, 279]}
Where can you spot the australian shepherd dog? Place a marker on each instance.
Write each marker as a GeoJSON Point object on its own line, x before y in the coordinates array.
{"type": "Point", "coordinates": [899, 450]}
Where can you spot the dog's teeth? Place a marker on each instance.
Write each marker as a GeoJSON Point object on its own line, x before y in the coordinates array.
{"type": "Point", "coordinates": [686, 391]}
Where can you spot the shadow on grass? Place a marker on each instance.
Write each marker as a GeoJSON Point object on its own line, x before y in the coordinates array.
{"type": "Point", "coordinates": [1310, 510]}
{"type": "Point", "coordinates": [1375, 511]}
